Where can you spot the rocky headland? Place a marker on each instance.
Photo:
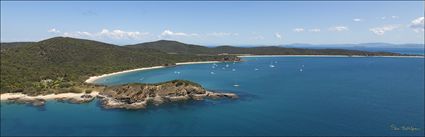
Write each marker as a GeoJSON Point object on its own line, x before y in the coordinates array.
{"type": "Point", "coordinates": [138, 96]}
{"type": "Point", "coordinates": [129, 96]}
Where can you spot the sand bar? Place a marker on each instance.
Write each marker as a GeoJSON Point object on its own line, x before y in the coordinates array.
{"type": "Point", "coordinates": [6, 96]}
{"type": "Point", "coordinates": [94, 78]}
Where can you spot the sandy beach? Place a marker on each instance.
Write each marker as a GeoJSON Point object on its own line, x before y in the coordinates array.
{"type": "Point", "coordinates": [7, 96]}
{"type": "Point", "coordinates": [94, 78]}
{"type": "Point", "coordinates": [328, 56]}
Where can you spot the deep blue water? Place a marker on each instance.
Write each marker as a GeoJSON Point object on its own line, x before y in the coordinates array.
{"type": "Point", "coordinates": [330, 96]}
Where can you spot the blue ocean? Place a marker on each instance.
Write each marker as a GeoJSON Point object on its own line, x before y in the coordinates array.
{"type": "Point", "coordinates": [279, 96]}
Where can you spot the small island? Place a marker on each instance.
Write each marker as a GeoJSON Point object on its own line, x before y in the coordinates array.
{"type": "Point", "coordinates": [127, 96]}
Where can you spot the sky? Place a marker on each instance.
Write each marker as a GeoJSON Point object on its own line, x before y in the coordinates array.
{"type": "Point", "coordinates": [216, 23]}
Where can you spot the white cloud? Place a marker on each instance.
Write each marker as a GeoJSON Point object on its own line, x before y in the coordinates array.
{"type": "Point", "coordinates": [258, 37]}
{"type": "Point", "coordinates": [168, 33]}
{"type": "Point", "coordinates": [120, 34]}
{"type": "Point", "coordinates": [105, 33]}
{"type": "Point", "coordinates": [53, 30]}
{"type": "Point", "coordinates": [382, 30]}
{"type": "Point", "coordinates": [221, 34]}
{"type": "Point", "coordinates": [314, 30]}
{"type": "Point", "coordinates": [278, 35]}
{"type": "Point", "coordinates": [389, 17]}
{"type": "Point", "coordinates": [84, 33]}
{"type": "Point", "coordinates": [298, 29]}
{"type": "Point", "coordinates": [417, 24]}
{"type": "Point", "coordinates": [357, 20]}
{"type": "Point", "coordinates": [339, 28]}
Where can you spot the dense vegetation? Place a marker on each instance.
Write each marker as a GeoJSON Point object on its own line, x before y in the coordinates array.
{"type": "Point", "coordinates": [182, 48]}
{"type": "Point", "coordinates": [63, 63]}
{"type": "Point", "coordinates": [172, 47]}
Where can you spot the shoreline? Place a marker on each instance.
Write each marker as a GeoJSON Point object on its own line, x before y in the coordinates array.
{"type": "Point", "coordinates": [249, 56]}
{"type": "Point", "coordinates": [7, 96]}
{"type": "Point", "coordinates": [94, 78]}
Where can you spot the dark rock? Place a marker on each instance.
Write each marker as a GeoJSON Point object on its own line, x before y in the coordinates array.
{"type": "Point", "coordinates": [34, 102]}
{"type": "Point", "coordinates": [138, 95]}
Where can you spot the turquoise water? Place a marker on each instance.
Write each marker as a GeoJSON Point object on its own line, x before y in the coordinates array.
{"type": "Point", "coordinates": [330, 96]}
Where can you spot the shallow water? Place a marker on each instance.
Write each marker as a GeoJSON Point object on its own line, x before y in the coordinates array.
{"type": "Point", "coordinates": [330, 96]}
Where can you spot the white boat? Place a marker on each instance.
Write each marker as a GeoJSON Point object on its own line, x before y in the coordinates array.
{"type": "Point", "coordinates": [272, 66]}
{"type": "Point", "coordinates": [301, 70]}
{"type": "Point", "coordinates": [212, 73]}
{"type": "Point", "coordinates": [233, 69]}
{"type": "Point", "coordinates": [256, 69]}
{"type": "Point", "coordinates": [236, 85]}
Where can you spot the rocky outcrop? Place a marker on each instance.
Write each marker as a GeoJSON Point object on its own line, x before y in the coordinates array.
{"type": "Point", "coordinates": [134, 96]}
{"type": "Point", "coordinates": [231, 59]}
{"type": "Point", "coordinates": [86, 98]}
{"type": "Point", "coordinates": [21, 100]}
{"type": "Point", "coordinates": [138, 96]}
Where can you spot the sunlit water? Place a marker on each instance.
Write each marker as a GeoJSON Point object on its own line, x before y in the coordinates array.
{"type": "Point", "coordinates": [298, 96]}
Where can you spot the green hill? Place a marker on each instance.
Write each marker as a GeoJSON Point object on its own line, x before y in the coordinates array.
{"type": "Point", "coordinates": [172, 47]}
{"type": "Point", "coordinates": [62, 62]}
{"type": "Point", "coordinates": [7, 45]}
{"type": "Point", "coordinates": [74, 60]}
{"type": "Point", "coordinates": [182, 48]}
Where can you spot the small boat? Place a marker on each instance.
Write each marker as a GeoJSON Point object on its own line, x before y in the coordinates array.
{"type": "Point", "coordinates": [272, 66]}
{"type": "Point", "coordinates": [301, 70]}
{"type": "Point", "coordinates": [212, 73]}
{"type": "Point", "coordinates": [236, 85]}
{"type": "Point", "coordinates": [227, 65]}
{"type": "Point", "coordinates": [233, 69]}
{"type": "Point", "coordinates": [256, 69]}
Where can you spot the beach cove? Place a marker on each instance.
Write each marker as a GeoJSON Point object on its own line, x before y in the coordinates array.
{"type": "Point", "coordinates": [282, 98]}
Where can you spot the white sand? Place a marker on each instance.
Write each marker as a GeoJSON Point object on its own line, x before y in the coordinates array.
{"type": "Point", "coordinates": [327, 56]}
{"type": "Point", "coordinates": [6, 96]}
{"type": "Point", "coordinates": [94, 78]}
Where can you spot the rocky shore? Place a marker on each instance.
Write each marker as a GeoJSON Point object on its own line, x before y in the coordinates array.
{"type": "Point", "coordinates": [138, 96]}
{"type": "Point", "coordinates": [130, 96]}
